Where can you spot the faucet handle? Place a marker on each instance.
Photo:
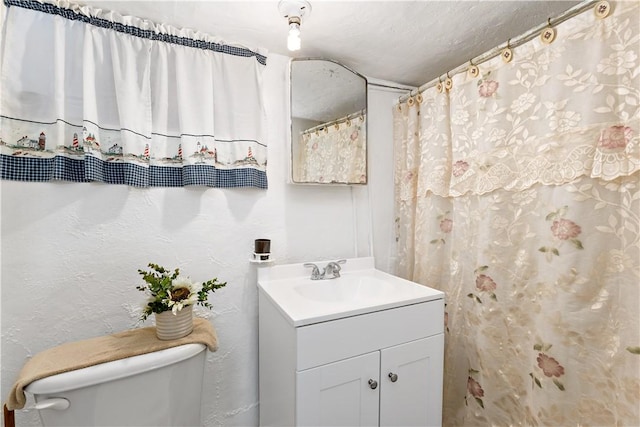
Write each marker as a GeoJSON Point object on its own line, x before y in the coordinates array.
{"type": "Point", "coordinates": [315, 272]}
{"type": "Point", "coordinates": [333, 268]}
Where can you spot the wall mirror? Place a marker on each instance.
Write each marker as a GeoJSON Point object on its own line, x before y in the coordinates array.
{"type": "Point", "coordinates": [328, 123]}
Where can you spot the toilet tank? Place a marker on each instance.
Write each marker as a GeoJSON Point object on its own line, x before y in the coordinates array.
{"type": "Point", "coordinates": [156, 389]}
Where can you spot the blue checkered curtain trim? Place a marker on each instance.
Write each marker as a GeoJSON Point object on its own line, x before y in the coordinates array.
{"type": "Point", "coordinates": [165, 176]}
{"type": "Point", "coordinates": [225, 178]}
{"type": "Point", "coordinates": [68, 169]}
{"type": "Point", "coordinates": [94, 169]}
{"type": "Point", "coordinates": [135, 31]}
{"type": "Point", "coordinates": [26, 168]}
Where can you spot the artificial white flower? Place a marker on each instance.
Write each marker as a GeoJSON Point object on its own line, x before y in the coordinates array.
{"type": "Point", "coordinates": [181, 282]}
{"type": "Point", "coordinates": [167, 290]}
{"type": "Point", "coordinates": [185, 293]}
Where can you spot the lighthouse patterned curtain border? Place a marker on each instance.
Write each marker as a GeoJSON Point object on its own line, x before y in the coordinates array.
{"type": "Point", "coordinates": [90, 95]}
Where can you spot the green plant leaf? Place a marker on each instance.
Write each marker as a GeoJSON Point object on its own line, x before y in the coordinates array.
{"type": "Point", "coordinates": [543, 249]}
{"type": "Point", "coordinates": [471, 295]}
{"type": "Point", "coordinates": [555, 251]}
{"type": "Point", "coordinates": [558, 384]}
{"type": "Point", "coordinates": [478, 299]}
{"type": "Point", "coordinates": [551, 216]}
{"type": "Point", "coordinates": [434, 241]}
{"type": "Point", "coordinates": [159, 283]}
{"type": "Point", "coordinates": [493, 297]}
{"type": "Point", "coordinates": [473, 371]}
{"type": "Point", "coordinates": [577, 243]}
{"type": "Point", "coordinates": [633, 350]}
{"type": "Point", "coordinates": [537, 347]}
{"type": "Point", "coordinates": [480, 402]}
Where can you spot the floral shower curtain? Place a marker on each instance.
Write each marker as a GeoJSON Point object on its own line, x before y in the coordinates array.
{"type": "Point", "coordinates": [518, 194]}
{"type": "Point", "coordinates": [89, 95]}
{"type": "Point", "coordinates": [335, 153]}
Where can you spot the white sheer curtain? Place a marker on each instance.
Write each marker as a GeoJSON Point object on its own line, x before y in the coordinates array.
{"type": "Point", "coordinates": [89, 95]}
{"type": "Point", "coordinates": [518, 194]}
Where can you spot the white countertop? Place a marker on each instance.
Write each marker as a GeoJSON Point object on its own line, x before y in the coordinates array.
{"type": "Point", "coordinates": [360, 289]}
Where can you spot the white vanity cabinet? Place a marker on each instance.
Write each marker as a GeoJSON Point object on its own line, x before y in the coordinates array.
{"type": "Point", "coordinates": [377, 366]}
{"type": "Point", "coordinates": [397, 386]}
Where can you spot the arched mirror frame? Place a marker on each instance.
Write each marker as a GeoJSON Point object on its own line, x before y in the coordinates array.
{"type": "Point", "coordinates": [292, 135]}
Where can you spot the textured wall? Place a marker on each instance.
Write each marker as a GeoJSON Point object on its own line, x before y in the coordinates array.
{"type": "Point", "coordinates": [70, 254]}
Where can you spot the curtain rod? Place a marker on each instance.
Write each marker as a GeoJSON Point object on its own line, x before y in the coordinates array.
{"type": "Point", "coordinates": [512, 43]}
{"type": "Point", "coordinates": [360, 113]}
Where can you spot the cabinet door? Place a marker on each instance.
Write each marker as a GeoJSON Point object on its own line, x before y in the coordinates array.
{"type": "Point", "coordinates": [340, 393]}
{"type": "Point", "coordinates": [411, 383]}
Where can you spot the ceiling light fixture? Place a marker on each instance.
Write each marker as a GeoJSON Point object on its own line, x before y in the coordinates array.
{"type": "Point", "coordinates": [294, 11]}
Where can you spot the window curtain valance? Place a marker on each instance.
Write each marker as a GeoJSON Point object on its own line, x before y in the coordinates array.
{"type": "Point", "coordinates": [90, 95]}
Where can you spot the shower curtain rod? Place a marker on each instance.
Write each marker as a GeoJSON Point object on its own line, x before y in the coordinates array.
{"type": "Point", "coordinates": [512, 43]}
{"type": "Point", "coordinates": [360, 113]}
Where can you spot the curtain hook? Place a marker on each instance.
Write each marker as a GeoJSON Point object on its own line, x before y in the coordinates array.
{"type": "Point", "coordinates": [548, 35]}
{"type": "Point", "coordinates": [602, 9]}
{"type": "Point", "coordinates": [507, 53]}
{"type": "Point", "coordinates": [473, 70]}
{"type": "Point", "coordinates": [439, 87]}
{"type": "Point", "coordinates": [448, 84]}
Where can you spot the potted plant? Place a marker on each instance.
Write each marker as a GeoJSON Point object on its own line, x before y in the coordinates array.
{"type": "Point", "coordinates": [171, 299]}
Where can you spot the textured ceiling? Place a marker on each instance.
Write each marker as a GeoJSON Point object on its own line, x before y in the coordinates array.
{"type": "Point", "coordinates": [409, 42]}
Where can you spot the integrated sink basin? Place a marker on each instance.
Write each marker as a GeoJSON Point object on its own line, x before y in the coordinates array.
{"type": "Point", "coordinates": [359, 289]}
{"type": "Point", "coordinates": [350, 287]}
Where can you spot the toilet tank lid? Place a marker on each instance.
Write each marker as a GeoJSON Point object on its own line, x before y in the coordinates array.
{"type": "Point", "coordinates": [114, 370]}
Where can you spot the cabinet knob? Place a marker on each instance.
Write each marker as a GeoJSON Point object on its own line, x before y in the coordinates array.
{"type": "Point", "coordinates": [393, 377]}
{"type": "Point", "coordinates": [373, 384]}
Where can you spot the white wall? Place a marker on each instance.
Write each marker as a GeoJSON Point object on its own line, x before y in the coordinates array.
{"type": "Point", "coordinates": [70, 254]}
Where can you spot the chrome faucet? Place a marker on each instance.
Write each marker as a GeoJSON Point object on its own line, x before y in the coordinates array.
{"type": "Point", "coordinates": [315, 272]}
{"type": "Point", "coordinates": [333, 269]}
